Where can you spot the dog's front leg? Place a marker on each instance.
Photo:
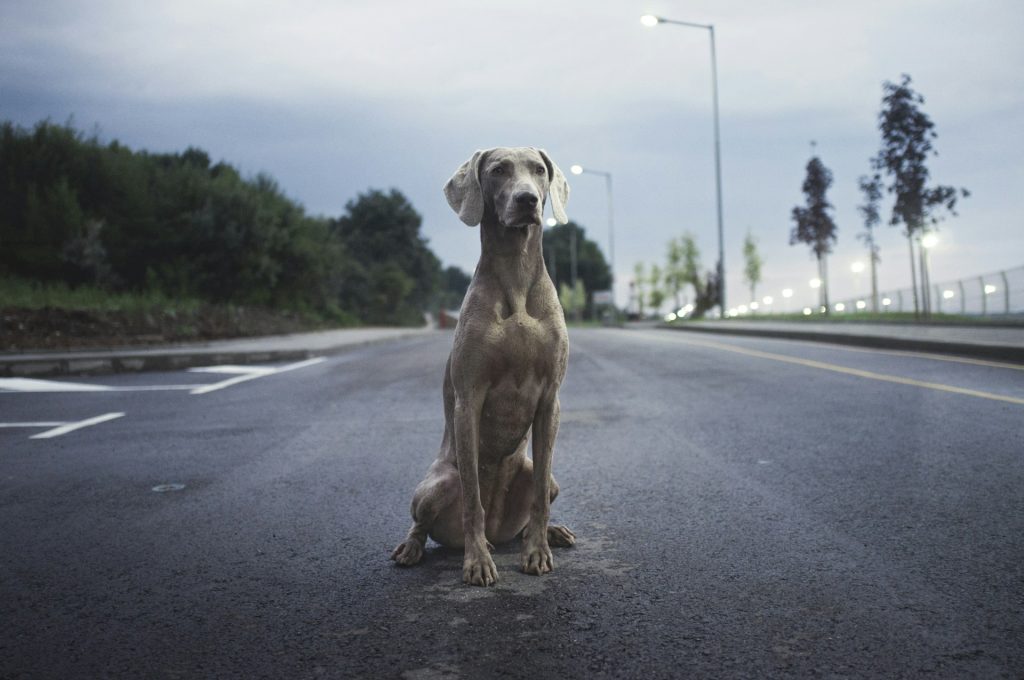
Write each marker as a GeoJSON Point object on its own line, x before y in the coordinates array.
{"type": "Point", "coordinates": [536, 554]}
{"type": "Point", "coordinates": [478, 568]}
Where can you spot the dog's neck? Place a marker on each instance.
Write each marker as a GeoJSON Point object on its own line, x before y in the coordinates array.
{"type": "Point", "coordinates": [511, 256]}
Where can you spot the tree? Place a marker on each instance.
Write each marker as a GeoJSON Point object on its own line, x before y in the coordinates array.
{"type": "Point", "coordinates": [674, 280]}
{"type": "Point", "coordinates": [381, 231]}
{"type": "Point", "coordinates": [640, 287]}
{"type": "Point", "coordinates": [907, 135]}
{"type": "Point", "coordinates": [872, 190]}
{"type": "Point", "coordinates": [752, 264]}
{"type": "Point", "coordinates": [454, 284]}
{"type": "Point", "coordinates": [656, 296]}
{"type": "Point", "coordinates": [572, 299]}
{"type": "Point", "coordinates": [591, 267]}
{"type": "Point", "coordinates": [814, 224]}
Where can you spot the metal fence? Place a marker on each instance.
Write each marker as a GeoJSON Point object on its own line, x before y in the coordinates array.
{"type": "Point", "coordinates": [998, 293]}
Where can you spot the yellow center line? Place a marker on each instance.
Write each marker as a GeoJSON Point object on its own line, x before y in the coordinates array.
{"type": "Point", "coordinates": [870, 375]}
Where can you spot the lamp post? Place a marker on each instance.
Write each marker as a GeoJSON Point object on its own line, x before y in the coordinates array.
{"type": "Point", "coordinates": [651, 20]}
{"type": "Point", "coordinates": [579, 170]}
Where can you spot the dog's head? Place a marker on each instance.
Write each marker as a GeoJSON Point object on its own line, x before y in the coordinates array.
{"type": "Point", "coordinates": [513, 183]}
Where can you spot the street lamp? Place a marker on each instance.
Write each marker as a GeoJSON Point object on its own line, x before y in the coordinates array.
{"type": "Point", "coordinates": [579, 170]}
{"type": "Point", "coordinates": [650, 20]}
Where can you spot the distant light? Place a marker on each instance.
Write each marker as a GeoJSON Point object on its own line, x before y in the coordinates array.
{"type": "Point", "coordinates": [683, 311]}
{"type": "Point", "coordinates": [732, 312]}
{"type": "Point", "coordinates": [768, 299]}
{"type": "Point", "coordinates": [861, 304]}
{"type": "Point", "coordinates": [857, 267]}
{"type": "Point", "coordinates": [822, 309]}
{"type": "Point", "coordinates": [930, 240]}
{"type": "Point", "coordinates": [840, 307]}
{"type": "Point", "coordinates": [989, 289]}
{"type": "Point", "coordinates": [815, 283]}
{"type": "Point", "coordinates": [947, 294]}
{"type": "Point", "coordinates": [886, 302]}
{"type": "Point", "coordinates": [551, 221]}
{"type": "Point", "coordinates": [754, 305]}
{"type": "Point", "coordinates": [670, 317]}
{"type": "Point", "coordinates": [742, 309]}
{"type": "Point", "coordinates": [807, 311]}
{"type": "Point", "coordinates": [576, 169]}
{"type": "Point", "coordinates": [649, 20]}
{"type": "Point", "coordinates": [787, 292]}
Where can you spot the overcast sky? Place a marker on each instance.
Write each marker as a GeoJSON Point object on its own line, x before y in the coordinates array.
{"type": "Point", "coordinates": [334, 98]}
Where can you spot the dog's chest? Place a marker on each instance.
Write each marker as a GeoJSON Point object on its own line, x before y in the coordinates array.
{"type": "Point", "coordinates": [529, 349]}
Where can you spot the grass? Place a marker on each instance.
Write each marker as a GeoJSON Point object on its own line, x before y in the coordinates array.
{"type": "Point", "coordinates": [24, 294]}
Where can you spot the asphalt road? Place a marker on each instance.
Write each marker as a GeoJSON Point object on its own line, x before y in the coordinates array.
{"type": "Point", "coordinates": [744, 509]}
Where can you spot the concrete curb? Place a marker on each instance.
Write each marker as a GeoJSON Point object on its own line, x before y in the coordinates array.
{"type": "Point", "coordinates": [127, 360]}
{"type": "Point", "coordinates": [1006, 353]}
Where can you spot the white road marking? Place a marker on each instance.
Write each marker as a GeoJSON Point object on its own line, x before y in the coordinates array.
{"type": "Point", "coordinates": [247, 373]}
{"type": "Point", "coordinates": [241, 374]}
{"type": "Point", "coordinates": [64, 428]}
{"type": "Point", "coordinates": [33, 385]}
{"type": "Point", "coordinates": [31, 424]}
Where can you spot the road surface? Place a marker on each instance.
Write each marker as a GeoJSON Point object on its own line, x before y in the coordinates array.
{"type": "Point", "coordinates": [745, 508]}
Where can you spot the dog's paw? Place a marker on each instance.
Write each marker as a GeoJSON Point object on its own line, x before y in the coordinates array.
{"type": "Point", "coordinates": [479, 571]}
{"type": "Point", "coordinates": [537, 560]}
{"type": "Point", "coordinates": [408, 553]}
{"type": "Point", "coordinates": [560, 536]}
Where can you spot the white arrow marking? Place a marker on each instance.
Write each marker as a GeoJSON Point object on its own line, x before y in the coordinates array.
{"type": "Point", "coordinates": [71, 427]}
{"type": "Point", "coordinates": [247, 373]}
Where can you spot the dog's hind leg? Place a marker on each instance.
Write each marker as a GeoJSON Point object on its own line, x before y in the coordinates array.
{"type": "Point", "coordinates": [431, 508]}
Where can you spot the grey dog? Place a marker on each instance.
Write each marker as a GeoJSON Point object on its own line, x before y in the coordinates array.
{"type": "Point", "coordinates": [501, 382]}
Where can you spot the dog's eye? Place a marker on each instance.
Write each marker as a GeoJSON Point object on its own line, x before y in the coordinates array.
{"type": "Point", "coordinates": [497, 170]}
{"type": "Point", "coordinates": [540, 170]}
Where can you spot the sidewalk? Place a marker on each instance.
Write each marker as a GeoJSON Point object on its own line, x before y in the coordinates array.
{"type": "Point", "coordinates": [983, 342]}
{"type": "Point", "coordinates": [172, 357]}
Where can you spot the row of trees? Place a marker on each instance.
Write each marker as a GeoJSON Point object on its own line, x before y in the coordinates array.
{"type": "Point", "coordinates": [907, 141]}
{"type": "Point", "coordinates": [682, 280]}
{"type": "Point", "coordinates": [76, 210]}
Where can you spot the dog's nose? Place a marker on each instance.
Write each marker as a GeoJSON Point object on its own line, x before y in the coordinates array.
{"type": "Point", "coordinates": [525, 198]}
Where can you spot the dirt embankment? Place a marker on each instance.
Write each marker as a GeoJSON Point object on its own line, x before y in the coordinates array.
{"type": "Point", "coordinates": [51, 328]}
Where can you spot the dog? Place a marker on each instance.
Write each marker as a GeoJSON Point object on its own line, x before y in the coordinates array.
{"type": "Point", "coordinates": [501, 382]}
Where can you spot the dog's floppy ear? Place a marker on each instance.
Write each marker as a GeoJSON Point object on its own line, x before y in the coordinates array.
{"type": "Point", "coordinates": [463, 191]}
{"type": "Point", "coordinates": [559, 190]}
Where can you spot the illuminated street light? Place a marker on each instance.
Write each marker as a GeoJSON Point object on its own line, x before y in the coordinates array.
{"type": "Point", "coordinates": [861, 304]}
{"type": "Point", "coordinates": [551, 221]}
{"type": "Point", "coordinates": [650, 20]}
{"type": "Point", "coordinates": [948, 295]}
{"type": "Point", "coordinates": [807, 311]}
{"type": "Point", "coordinates": [989, 289]}
{"type": "Point", "coordinates": [787, 292]}
{"type": "Point", "coordinates": [768, 300]}
{"type": "Point", "coordinates": [886, 302]}
{"type": "Point", "coordinates": [579, 170]}
{"type": "Point", "coordinates": [754, 306]}
{"type": "Point", "coordinates": [840, 307]}
{"type": "Point", "coordinates": [930, 240]}
{"type": "Point", "coordinates": [815, 283]}
{"type": "Point", "coordinates": [857, 267]}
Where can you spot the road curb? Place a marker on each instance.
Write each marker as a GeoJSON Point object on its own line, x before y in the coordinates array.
{"type": "Point", "coordinates": [101, 362]}
{"type": "Point", "coordinates": [1006, 353]}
